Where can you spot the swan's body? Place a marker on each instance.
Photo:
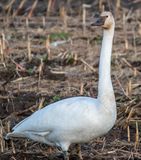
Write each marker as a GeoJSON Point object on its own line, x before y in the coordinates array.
{"type": "Point", "coordinates": [76, 119]}
{"type": "Point", "coordinates": [64, 122]}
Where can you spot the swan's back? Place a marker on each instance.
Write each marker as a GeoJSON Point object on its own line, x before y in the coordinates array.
{"type": "Point", "coordinates": [61, 114]}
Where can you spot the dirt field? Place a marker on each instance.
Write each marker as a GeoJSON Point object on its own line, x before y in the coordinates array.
{"type": "Point", "coordinates": [43, 60]}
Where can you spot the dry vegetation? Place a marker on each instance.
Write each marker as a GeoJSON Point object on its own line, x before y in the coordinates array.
{"type": "Point", "coordinates": [47, 58]}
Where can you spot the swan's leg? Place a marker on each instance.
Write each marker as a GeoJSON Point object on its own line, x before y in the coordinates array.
{"type": "Point", "coordinates": [78, 150]}
{"type": "Point", "coordinates": [66, 155]}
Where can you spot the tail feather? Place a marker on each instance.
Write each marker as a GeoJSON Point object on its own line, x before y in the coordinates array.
{"type": "Point", "coordinates": [13, 134]}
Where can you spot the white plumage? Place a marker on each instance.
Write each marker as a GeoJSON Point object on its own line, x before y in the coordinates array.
{"type": "Point", "coordinates": [77, 119]}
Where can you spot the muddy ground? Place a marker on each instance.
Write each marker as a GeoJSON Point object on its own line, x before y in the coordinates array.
{"type": "Point", "coordinates": [45, 59]}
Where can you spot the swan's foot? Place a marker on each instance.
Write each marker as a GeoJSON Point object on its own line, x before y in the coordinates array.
{"type": "Point", "coordinates": [78, 151]}
{"type": "Point", "coordinates": [61, 155]}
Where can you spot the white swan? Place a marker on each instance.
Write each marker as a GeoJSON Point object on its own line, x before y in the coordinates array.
{"type": "Point", "coordinates": [77, 119]}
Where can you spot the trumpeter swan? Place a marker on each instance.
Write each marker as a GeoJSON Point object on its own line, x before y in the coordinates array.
{"type": "Point", "coordinates": [77, 119]}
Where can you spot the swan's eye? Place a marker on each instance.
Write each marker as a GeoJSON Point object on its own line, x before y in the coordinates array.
{"type": "Point", "coordinates": [106, 16]}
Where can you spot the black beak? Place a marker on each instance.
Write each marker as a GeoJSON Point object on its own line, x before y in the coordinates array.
{"type": "Point", "coordinates": [99, 21]}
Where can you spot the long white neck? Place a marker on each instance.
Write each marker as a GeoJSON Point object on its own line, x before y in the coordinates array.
{"type": "Point", "coordinates": [105, 88]}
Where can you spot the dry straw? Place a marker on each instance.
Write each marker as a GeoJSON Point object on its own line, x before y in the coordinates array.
{"type": "Point", "coordinates": [2, 144]}
{"type": "Point", "coordinates": [64, 17]}
{"type": "Point", "coordinates": [19, 8]}
{"type": "Point", "coordinates": [29, 48]}
{"type": "Point", "coordinates": [32, 9]}
{"type": "Point", "coordinates": [49, 4]}
{"type": "Point", "coordinates": [47, 46]}
{"type": "Point", "coordinates": [84, 7]}
{"type": "Point", "coordinates": [2, 47]}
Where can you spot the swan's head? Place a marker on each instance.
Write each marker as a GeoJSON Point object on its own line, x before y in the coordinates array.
{"type": "Point", "coordinates": [105, 20]}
